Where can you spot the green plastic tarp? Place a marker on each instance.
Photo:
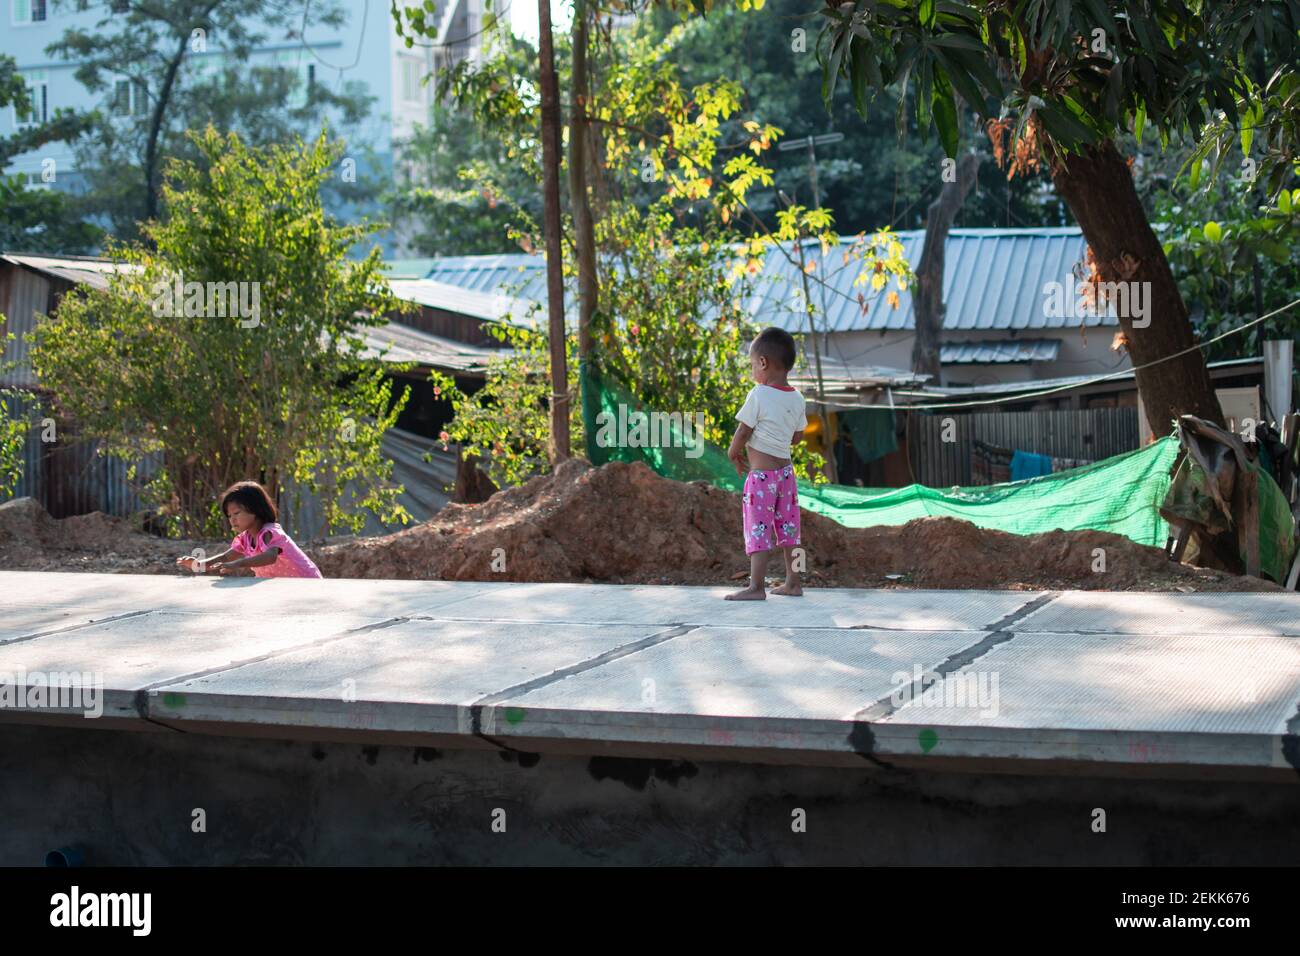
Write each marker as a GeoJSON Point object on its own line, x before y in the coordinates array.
{"type": "Point", "coordinates": [1120, 494]}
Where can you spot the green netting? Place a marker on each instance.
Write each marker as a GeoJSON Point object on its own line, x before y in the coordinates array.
{"type": "Point", "coordinates": [1120, 494]}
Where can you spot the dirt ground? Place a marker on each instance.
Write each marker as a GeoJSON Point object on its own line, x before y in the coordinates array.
{"type": "Point", "coordinates": [622, 523]}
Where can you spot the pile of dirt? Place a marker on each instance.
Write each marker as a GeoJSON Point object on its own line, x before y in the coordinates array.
{"type": "Point", "coordinates": [31, 540]}
{"type": "Point", "coordinates": [622, 523]}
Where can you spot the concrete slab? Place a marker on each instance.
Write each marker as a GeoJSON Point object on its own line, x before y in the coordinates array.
{"type": "Point", "coordinates": [819, 608]}
{"type": "Point", "coordinates": [1132, 612]}
{"type": "Point", "coordinates": [1101, 683]}
{"type": "Point", "coordinates": [1191, 700]}
{"type": "Point", "coordinates": [413, 677]}
{"type": "Point", "coordinates": [20, 623]}
{"type": "Point", "coordinates": [182, 593]}
{"type": "Point", "coordinates": [753, 673]}
{"type": "Point", "coordinates": [1200, 683]}
{"type": "Point", "coordinates": [126, 654]}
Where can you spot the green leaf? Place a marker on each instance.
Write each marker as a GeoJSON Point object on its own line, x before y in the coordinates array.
{"type": "Point", "coordinates": [1063, 127]}
{"type": "Point", "coordinates": [945, 115]}
{"type": "Point", "coordinates": [1213, 231]}
{"type": "Point", "coordinates": [1284, 201]}
{"type": "Point", "coordinates": [1279, 252]}
{"type": "Point", "coordinates": [831, 73]}
{"type": "Point", "coordinates": [928, 13]}
{"type": "Point", "coordinates": [1139, 121]}
{"type": "Point", "coordinates": [961, 80]}
{"type": "Point", "coordinates": [864, 72]}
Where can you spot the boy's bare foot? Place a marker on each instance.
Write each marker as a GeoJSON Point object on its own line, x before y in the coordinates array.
{"type": "Point", "coordinates": [789, 589]}
{"type": "Point", "coordinates": [749, 594]}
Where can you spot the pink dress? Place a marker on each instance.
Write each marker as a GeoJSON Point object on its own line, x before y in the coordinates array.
{"type": "Point", "coordinates": [289, 563]}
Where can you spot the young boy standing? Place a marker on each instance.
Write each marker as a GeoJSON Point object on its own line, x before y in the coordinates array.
{"type": "Point", "coordinates": [771, 419]}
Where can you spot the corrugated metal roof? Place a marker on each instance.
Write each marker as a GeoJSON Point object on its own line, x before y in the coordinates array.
{"type": "Point", "coordinates": [407, 268]}
{"type": "Point", "coordinates": [510, 274]}
{"type": "Point", "coordinates": [79, 269]}
{"type": "Point", "coordinates": [401, 343]}
{"type": "Point", "coordinates": [993, 279]}
{"type": "Point", "coordinates": [489, 306]}
{"type": "Point", "coordinates": [997, 352]}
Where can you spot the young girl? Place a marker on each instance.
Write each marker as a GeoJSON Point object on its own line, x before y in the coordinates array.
{"type": "Point", "coordinates": [771, 420]}
{"type": "Point", "coordinates": [260, 543]}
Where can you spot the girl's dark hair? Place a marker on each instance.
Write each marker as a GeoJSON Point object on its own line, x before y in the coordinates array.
{"type": "Point", "coordinates": [253, 498]}
{"type": "Point", "coordinates": [777, 345]}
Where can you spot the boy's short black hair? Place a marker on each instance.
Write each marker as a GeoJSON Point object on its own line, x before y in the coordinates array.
{"type": "Point", "coordinates": [777, 345]}
{"type": "Point", "coordinates": [253, 498]}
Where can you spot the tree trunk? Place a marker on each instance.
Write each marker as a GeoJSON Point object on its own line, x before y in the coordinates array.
{"type": "Point", "coordinates": [579, 161]}
{"type": "Point", "coordinates": [559, 449]}
{"type": "Point", "coordinates": [927, 295]}
{"type": "Point", "coordinates": [473, 486]}
{"type": "Point", "coordinates": [151, 157]}
{"type": "Point", "coordinates": [1098, 187]}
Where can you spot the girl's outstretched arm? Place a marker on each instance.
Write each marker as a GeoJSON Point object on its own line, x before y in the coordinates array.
{"type": "Point", "coordinates": [188, 561]}
{"type": "Point", "coordinates": [253, 561]}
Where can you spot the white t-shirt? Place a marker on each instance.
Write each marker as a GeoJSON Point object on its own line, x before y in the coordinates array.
{"type": "Point", "coordinates": [775, 415]}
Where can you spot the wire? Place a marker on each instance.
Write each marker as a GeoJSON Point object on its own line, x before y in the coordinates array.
{"type": "Point", "coordinates": [302, 36]}
{"type": "Point", "coordinates": [488, 24]}
{"type": "Point", "coordinates": [1021, 396]}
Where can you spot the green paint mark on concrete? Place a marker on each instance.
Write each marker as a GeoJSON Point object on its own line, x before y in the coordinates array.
{"type": "Point", "coordinates": [514, 715]}
{"type": "Point", "coordinates": [173, 700]}
{"type": "Point", "coordinates": [928, 739]}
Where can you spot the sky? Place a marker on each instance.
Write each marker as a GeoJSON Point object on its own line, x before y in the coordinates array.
{"type": "Point", "coordinates": [523, 17]}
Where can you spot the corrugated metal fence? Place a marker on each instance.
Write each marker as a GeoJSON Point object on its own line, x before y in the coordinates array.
{"type": "Point", "coordinates": [69, 477]}
{"type": "Point", "coordinates": [1094, 434]}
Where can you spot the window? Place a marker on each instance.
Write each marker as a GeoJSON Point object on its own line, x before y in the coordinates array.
{"type": "Point", "coordinates": [121, 98]}
{"type": "Point", "coordinates": [38, 94]}
{"type": "Point", "coordinates": [28, 11]}
{"type": "Point", "coordinates": [130, 98]}
{"type": "Point", "coordinates": [411, 80]}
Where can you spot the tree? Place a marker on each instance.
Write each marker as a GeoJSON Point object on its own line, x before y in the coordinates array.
{"type": "Point", "coordinates": [36, 220]}
{"type": "Point", "coordinates": [13, 429]}
{"type": "Point", "coordinates": [875, 177]}
{"type": "Point", "coordinates": [156, 60]}
{"type": "Point", "coordinates": [927, 298]}
{"type": "Point", "coordinates": [1061, 80]}
{"type": "Point", "coordinates": [670, 326]}
{"type": "Point", "coordinates": [458, 191]}
{"type": "Point", "coordinates": [1236, 259]}
{"type": "Point", "coordinates": [276, 388]}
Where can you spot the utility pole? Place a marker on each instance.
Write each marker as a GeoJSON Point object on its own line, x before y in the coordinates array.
{"type": "Point", "coordinates": [812, 333]}
{"type": "Point", "coordinates": [812, 142]}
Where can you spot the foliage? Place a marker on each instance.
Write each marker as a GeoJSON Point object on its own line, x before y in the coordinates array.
{"type": "Point", "coordinates": [13, 431]}
{"type": "Point", "coordinates": [673, 263]}
{"type": "Point", "coordinates": [188, 64]}
{"type": "Point", "coordinates": [458, 192]}
{"type": "Point", "coordinates": [281, 393]}
{"type": "Point", "coordinates": [506, 424]}
{"type": "Point", "coordinates": [1235, 258]}
{"type": "Point", "coordinates": [36, 219]}
{"type": "Point", "coordinates": [1062, 73]}
{"type": "Point", "coordinates": [873, 177]}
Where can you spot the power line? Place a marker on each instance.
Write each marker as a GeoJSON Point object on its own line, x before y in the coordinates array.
{"type": "Point", "coordinates": [1021, 396]}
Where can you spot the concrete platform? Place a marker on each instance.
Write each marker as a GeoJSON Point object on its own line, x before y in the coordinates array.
{"type": "Point", "coordinates": [1127, 684]}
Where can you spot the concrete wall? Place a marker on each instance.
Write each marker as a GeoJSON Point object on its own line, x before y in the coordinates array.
{"type": "Point", "coordinates": [128, 799]}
